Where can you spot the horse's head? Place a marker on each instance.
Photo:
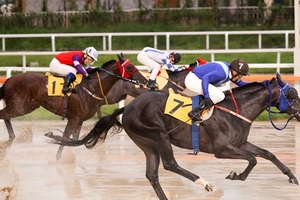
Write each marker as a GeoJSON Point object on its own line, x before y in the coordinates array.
{"type": "Point", "coordinates": [288, 100]}
{"type": "Point", "coordinates": [129, 71]}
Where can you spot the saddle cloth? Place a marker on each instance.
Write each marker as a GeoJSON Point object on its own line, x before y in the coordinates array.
{"type": "Point", "coordinates": [55, 84]}
{"type": "Point", "coordinates": [161, 79]}
{"type": "Point", "coordinates": [179, 106]}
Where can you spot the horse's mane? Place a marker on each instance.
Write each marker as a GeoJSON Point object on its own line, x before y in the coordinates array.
{"type": "Point", "coordinates": [105, 65]}
{"type": "Point", "coordinates": [108, 63]}
{"type": "Point", "coordinates": [249, 88]}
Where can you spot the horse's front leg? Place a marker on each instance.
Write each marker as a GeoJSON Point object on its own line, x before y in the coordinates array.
{"type": "Point", "coordinates": [271, 157]}
{"type": "Point", "coordinates": [73, 128]}
{"type": "Point", "coordinates": [232, 152]}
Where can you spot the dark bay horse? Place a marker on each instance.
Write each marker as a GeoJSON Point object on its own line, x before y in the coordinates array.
{"type": "Point", "coordinates": [121, 89]}
{"type": "Point", "coordinates": [223, 134]}
{"type": "Point", "coordinates": [24, 93]}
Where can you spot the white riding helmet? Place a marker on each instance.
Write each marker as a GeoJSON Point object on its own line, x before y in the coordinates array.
{"type": "Point", "coordinates": [92, 52]}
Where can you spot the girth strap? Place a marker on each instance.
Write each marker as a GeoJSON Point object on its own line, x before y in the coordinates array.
{"type": "Point", "coordinates": [195, 135]}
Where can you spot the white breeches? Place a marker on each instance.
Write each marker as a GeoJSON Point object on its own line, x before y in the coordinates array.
{"type": "Point", "coordinates": [193, 83]}
{"type": "Point", "coordinates": [61, 69]}
{"type": "Point", "coordinates": [148, 62]}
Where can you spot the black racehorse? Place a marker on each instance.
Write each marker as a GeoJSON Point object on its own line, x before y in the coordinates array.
{"type": "Point", "coordinates": [224, 134]}
{"type": "Point", "coordinates": [121, 89]}
{"type": "Point", "coordinates": [24, 93]}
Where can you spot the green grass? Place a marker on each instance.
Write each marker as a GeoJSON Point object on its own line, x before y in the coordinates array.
{"type": "Point", "coordinates": [42, 114]}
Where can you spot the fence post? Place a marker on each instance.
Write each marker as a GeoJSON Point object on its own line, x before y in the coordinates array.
{"type": "Point", "coordinates": [3, 44]}
{"type": "Point", "coordinates": [168, 41]}
{"type": "Point", "coordinates": [53, 42]}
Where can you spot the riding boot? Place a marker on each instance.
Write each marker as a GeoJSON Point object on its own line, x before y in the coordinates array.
{"type": "Point", "coordinates": [151, 84]}
{"type": "Point", "coordinates": [196, 112]}
{"type": "Point", "coordinates": [69, 78]}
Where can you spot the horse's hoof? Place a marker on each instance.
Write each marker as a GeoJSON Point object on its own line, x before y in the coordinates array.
{"type": "Point", "coordinates": [49, 134]}
{"type": "Point", "coordinates": [208, 188]}
{"type": "Point", "coordinates": [231, 175]}
{"type": "Point", "coordinates": [294, 181]}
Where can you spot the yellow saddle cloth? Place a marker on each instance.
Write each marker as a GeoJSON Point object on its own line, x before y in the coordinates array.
{"type": "Point", "coordinates": [55, 84]}
{"type": "Point", "coordinates": [161, 79]}
{"type": "Point", "coordinates": [178, 107]}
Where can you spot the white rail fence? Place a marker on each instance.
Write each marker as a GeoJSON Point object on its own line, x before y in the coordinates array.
{"type": "Point", "coordinates": [108, 46]}
{"type": "Point", "coordinates": [277, 65]}
{"type": "Point", "coordinates": [107, 38]}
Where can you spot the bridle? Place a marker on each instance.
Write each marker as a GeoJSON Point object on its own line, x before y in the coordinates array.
{"type": "Point", "coordinates": [282, 103]}
{"type": "Point", "coordinates": [126, 69]}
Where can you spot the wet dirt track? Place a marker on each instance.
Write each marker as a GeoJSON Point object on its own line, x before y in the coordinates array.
{"type": "Point", "coordinates": [115, 170]}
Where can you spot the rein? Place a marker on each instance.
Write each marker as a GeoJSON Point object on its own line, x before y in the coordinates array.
{"type": "Point", "coordinates": [120, 77]}
{"type": "Point", "coordinates": [236, 113]}
{"type": "Point", "coordinates": [269, 108]}
{"type": "Point", "coordinates": [282, 90]}
{"type": "Point", "coordinates": [177, 85]}
{"type": "Point", "coordinates": [101, 89]}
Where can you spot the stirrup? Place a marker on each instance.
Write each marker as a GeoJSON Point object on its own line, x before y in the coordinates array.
{"type": "Point", "coordinates": [67, 90]}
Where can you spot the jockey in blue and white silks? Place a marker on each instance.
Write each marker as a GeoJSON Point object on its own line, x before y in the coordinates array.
{"type": "Point", "coordinates": [155, 59]}
{"type": "Point", "coordinates": [211, 79]}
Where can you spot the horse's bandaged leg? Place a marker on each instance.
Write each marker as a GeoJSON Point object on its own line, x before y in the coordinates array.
{"type": "Point", "coordinates": [207, 186]}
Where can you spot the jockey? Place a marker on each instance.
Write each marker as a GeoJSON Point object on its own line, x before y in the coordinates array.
{"type": "Point", "coordinates": [208, 78]}
{"type": "Point", "coordinates": [156, 59]}
{"type": "Point", "coordinates": [70, 63]}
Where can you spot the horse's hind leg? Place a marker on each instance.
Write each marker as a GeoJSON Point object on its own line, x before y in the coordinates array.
{"type": "Point", "coordinates": [271, 157]}
{"type": "Point", "coordinates": [152, 164]}
{"type": "Point", "coordinates": [10, 129]}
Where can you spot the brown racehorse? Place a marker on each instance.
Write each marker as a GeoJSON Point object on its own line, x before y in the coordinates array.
{"type": "Point", "coordinates": [224, 134]}
{"type": "Point", "coordinates": [24, 93]}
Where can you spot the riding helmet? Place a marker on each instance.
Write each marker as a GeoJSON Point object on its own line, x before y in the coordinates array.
{"type": "Point", "coordinates": [240, 66]}
{"type": "Point", "coordinates": [177, 57]}
{"type": "Point", "coordinates": [92, 52]}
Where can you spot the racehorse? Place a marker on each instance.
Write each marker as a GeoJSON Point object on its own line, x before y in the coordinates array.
{"type": "Point", "coordinates": [24, 93]}
{"type": "Point", "coordinates": [223, 134]}
{"type": "Point", "coordinates": [121, 89]}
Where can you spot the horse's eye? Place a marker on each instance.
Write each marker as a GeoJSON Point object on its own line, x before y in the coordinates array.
{"type": "Point", "coordinates": [291, 94]}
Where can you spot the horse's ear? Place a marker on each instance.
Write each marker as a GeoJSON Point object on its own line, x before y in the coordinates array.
{"type": "Point", "coordinates": [122, 55]}
{"type": "Point", "coordinates": [279, 80]}
{"type": "Point", "coordinates": [121, 58]}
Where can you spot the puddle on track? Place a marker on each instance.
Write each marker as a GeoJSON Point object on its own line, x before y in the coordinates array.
{"type": "Point", "coordinates": [115, 170]}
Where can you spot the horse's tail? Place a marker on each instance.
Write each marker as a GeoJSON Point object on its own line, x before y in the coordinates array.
{"type": "Point", "coordinates": [99, 131]}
